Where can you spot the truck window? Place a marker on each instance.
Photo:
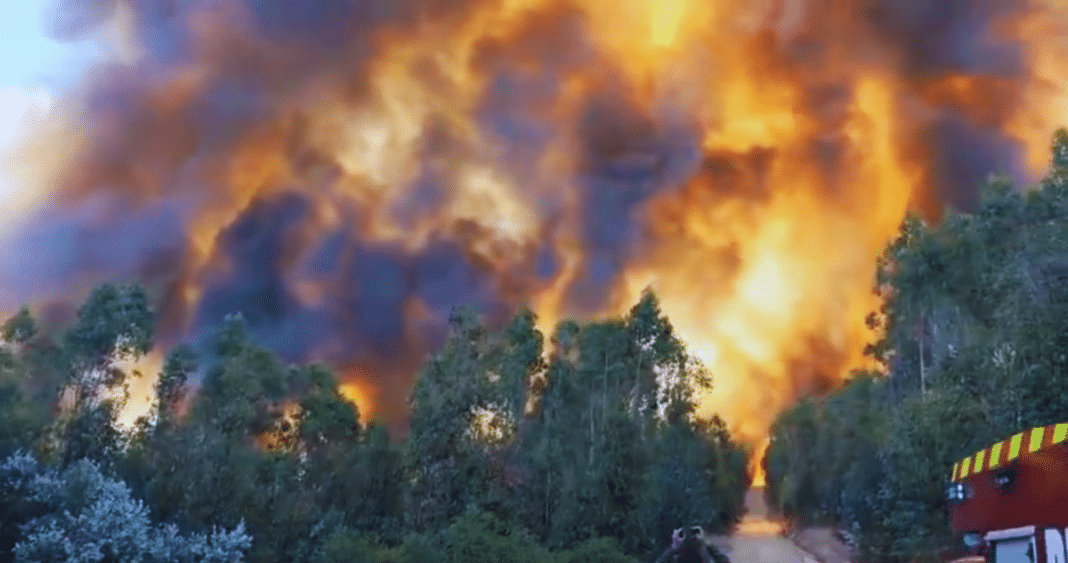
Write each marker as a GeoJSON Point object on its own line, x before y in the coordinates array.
{"type": "Point", "coordinates": [1054, 546]}
{"type": "Point", "coordinates": [1021, 550]}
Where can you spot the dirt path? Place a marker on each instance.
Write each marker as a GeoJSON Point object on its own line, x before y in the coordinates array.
{"type": "Point", "coordinates": [824, 544]}
{"type": "Point", "coordinates": [763, 548]}
{"type": "Point", "coordinates": [760, 540]}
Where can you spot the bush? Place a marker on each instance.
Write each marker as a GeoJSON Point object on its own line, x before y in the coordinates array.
{"type": "Point", "coordinates": [85, 516]}
{"type": "Point", "coordinates": [348, 546]}
{"type": "Point", "coordinates": [597, 550]}
{"type": "Point", "coordinates": [480, 537]}
{"type": "Point", "coordinates": [418, 548]}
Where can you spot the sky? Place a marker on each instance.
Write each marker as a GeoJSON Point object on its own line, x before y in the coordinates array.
{"type": "Point", "coordinates": [33, 69]}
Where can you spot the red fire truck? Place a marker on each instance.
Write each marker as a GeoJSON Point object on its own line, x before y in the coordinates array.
{"type": "Point", "coordinates": [1009, 501]}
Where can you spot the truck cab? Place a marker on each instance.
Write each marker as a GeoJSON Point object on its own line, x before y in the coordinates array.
{"type": "Point", "coordinates": [1008, 502]}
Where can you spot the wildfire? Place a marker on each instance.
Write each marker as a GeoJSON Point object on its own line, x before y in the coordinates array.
{"type": "Point", "coordinates": [361, 395]}
{"type": "Point", "coordinates": [141, 387]}
{"type": "Point", "coordinates": [347, 174]}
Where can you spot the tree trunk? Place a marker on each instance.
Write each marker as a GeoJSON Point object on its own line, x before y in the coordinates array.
{"type": "Point", "coordinates": [923, 354]}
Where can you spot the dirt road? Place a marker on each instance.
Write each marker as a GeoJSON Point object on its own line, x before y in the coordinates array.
{"type": "Point", "coordinates": [763, 548]}
{"type": "Point", "coordinates": [759, 540]}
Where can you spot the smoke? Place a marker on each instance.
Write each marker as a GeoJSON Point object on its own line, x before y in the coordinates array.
{"type": "Point", "coordinates": [343, 173]}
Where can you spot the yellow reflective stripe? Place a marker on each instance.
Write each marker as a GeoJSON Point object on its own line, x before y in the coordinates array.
{"type": "Point", "coordinates": [965, 466]}
{"type": "Point", "coordinates": [1060, 432]}
{"type": "Point", "coordinates": [1014, 446]}
{"type": "Point", "coordinates": [956, 468]}
{"type": "Point", "coordinates": [995, 455]}
{"type": "Point", "coordinates": [979, 458]}
{"type": "Point", "coordinates": [1036, 438]}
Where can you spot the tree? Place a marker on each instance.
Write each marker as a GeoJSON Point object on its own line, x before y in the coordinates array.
{"type": "Point", "coordinates": [444, 459]}
{"type": "Point", "coordinates": [973, 342]}
{"type": "Point", "coordinates": [613, 448]}
{"type": "Point", "coordinates": [19, 329]}
{"type": "Point", "coordinates": [481, 537]}
{"type": "Point", "coordinates": [81, 515]}
{"type": "Point", "coordinates": [114, 324]}
{"type": "Point", "coordinates": [353, 473]}
{"type": "Point", "coordinates": [25, 401]}
{"type": "Point", "coordinates": [180, 366]}
{"type": "Point", "coordinates": [235, 456]}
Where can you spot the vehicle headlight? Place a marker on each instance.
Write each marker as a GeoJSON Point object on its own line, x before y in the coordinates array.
{"type": "Point", "coordinates": [957, 492]}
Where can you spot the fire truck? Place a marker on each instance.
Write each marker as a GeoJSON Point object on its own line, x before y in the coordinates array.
{"type": "Point", "coordinates": [1008, 503]}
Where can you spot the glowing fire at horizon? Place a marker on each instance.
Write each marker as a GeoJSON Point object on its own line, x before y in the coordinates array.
{"type": "Point", "coordinates": [345, 173]}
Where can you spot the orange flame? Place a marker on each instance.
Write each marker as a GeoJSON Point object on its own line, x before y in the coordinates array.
{"type": "Point", "coordinates": [768, 151]}
{"type": "Point", "coordinates": [362, 395]}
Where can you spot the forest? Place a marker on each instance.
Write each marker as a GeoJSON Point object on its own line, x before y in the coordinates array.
{"type": "Point", "coordinates": [580, 448]}
{"type": "Point", "coordinates": [974, 328]}
{"type": "Point", "coordinates": [589, 453]}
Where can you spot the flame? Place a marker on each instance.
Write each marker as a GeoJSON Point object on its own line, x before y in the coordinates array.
{"type": "Point", "coordinates": [362, 395]}
{"type": "Point", "coordinates": [756, 464]}
{"type": "Point", "coordinates": [345, 176]}
{"type": "Point", "coordinates": [143, 373]}
{"type": "Point", "coordinates": [284, 431]}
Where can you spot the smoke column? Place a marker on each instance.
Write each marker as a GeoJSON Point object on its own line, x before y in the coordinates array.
{"type": "Point", "coordinates": [344, 172]}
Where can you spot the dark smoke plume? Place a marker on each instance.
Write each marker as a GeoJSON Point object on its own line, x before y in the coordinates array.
{"type": "Point", "coordinates": [207, 163]}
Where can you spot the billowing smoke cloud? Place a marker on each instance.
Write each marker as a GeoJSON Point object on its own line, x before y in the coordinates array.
{"type": "Point", "coordinates": [343, 173]}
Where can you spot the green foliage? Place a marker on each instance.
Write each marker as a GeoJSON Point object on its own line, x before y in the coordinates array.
{"type": "Point", "coordinates": [418, 548]}
{"type": "Point", "coordinates": [701, 478]}
{"type": "Point", "coordinates": [242, 391]}
{"type": "Point", "coordinates": [348, 546]}
{"type": "Point", "coordinates": [19, 329]}
{"type": "Point", "coordinates": [78, 514]}
{"type": "Point", "coordinates": [597, 550]}
{"type": "Point", "coordinates": [91, 433]}
{"type": "Point", "coordinates": [480, 537]}
{"type": "Point", "coordinates": [180, 366]}
{"type": "Point", "coordinates": [275, 446]}
{"type": "Point", "coordinates": [592, 454]}
{"type": "Point", "coordinates": [25, 400]}
{"type": "Point", "coordinates": [613, 449]}
{"type": "Point", "coordinates": [444, 458]}
{"type": "Point", "coordinates": [114, 323]}
{"type": "Point", "coordinates": [975, 324]}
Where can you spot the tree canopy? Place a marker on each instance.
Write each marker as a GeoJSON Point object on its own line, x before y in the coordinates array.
{"type": "Point", "coordinates": [974, 332]}
{"type": "Point", "coordinates": [585, 448]}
